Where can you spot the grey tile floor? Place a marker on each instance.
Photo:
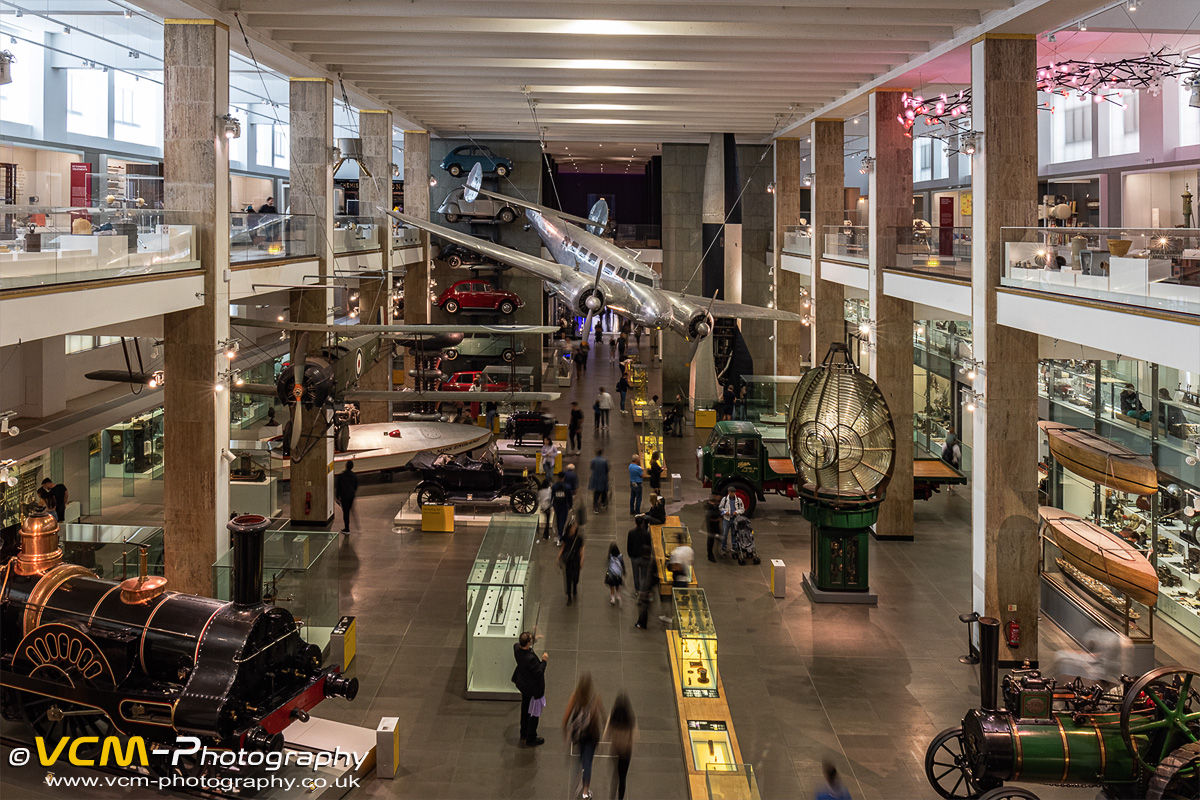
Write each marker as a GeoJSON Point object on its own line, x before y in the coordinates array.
{"type": "Point", "coordinates": [866, 688]}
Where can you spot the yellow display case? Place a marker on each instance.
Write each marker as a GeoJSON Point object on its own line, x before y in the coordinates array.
{"type": "Point", "coordinates": [697, 644]}
{"type": "Point", "coordinates": [706, 418]}
{"type": "Point", "coordinates": [709, 743]}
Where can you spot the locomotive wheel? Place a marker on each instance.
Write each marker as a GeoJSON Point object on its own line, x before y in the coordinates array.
{"type": "Point", "coordinates": [430, 495]}
{"type": "Point", "coordinates": [1177, 776]}
{"type": "Point", "coordinates": [524, 500]}
{"type": "Point", "coordinates": [946, 766]}
{"type": "Point", "coordinates": [1173, 694]}
{"type": "Point", "coordinates": [1008, 793]}
{"type": "Point", "coordinates": [53, 719]}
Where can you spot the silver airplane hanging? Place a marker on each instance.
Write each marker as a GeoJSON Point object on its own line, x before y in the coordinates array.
{"type": "Point", "coordinates": [593, 274]}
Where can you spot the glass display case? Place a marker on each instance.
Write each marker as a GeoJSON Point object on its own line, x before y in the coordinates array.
{"type": "Point", "coordinates": [112, 551]}
{"type": "Point", "coordinates": [500, 604]}
{"type": "Point", "coordinates": [767, 397]}
{"type": "Point", "coordinates": [1100, 601]}
{"type": "Point", "coordinates": [731, 781]}
{"type": "Point", "coordinates": [650, 440]}
{"type": "Point", "coordinates": [254, 478]}
{"type": "Point", "coordinates": [710, 744]}
{"type": "Point", "coordinates": [300, 573]}
{"type": "Point", "coordinates": [675, 536]}
{"type": "Point", "coordinates": [697, 644]}
{"type": "Point", "coordinates": [1177, 556]}
{"type": "Point", "coordinates": [639, 387]}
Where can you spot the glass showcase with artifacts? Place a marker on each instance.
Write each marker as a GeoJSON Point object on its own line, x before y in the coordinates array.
{"type": "Point", "coordinates": [499, 604]}
{"type": "Point", "coordinates": [697, 644]}
{"type": "Point", "coordinates": [1151, 412]}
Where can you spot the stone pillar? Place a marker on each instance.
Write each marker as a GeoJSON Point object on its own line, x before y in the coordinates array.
{"type": "Point", "coordinates": [828, 197]}
{"type": "Point", "coordinates": [1004, 521]}
{"type": "Point", "coordinates": [196, 418]}
{"type": "Point", "coordinates": [311, 140]}
{"type": "Point", "coordinates": [375, 293]}
{"type": "Point", "coordinates": [890, 188]}
{"type": "Point", "coordinates": [416, 204]}
{"type": "Point", "coordinates": [792, 341]}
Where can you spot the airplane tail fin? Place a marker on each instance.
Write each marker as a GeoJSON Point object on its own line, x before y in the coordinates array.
{"type": "Point", "coordinates": [598, 215]}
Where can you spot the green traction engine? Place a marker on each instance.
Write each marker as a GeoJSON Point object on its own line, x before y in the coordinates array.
{"type": "Point", "coordinates": [1136, 740]}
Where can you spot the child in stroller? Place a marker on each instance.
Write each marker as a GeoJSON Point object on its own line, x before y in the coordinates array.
{"type": "Point", "coordinates": [743, 540]}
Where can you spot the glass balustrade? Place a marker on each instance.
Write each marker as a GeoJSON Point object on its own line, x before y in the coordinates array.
{"type": "Point", "coordinates": [42, 245]}
{"type": "Point", "coordinates": [797, 240]}
{"type": "Point", "coordinates": [270, 237]}
{"type": "Point", "coordinates": [847, 243]}
{"type": "Point", "coordinates": [942, 251]}
{"type": "Point", "coordinates": [353, 234]}
{"type": "Point", "coordinates": [1148, 267]}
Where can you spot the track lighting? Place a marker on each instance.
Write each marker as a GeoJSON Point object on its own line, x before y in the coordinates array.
{"type": "Point", "coordinates": [970, 143]}
{"type": "Point", "coordinates": [971, 399]}
{"type": "Point", "coordinates": [8, 474]}
{"type": "Point", "coordinates": [808, 178]}
{"type": "Point", "coordinates": [232, 125]}
{"type": "Point", "coordinates": [432, 181]}
{"type": "Point", "coordinates": [395, 169]}
{"type": "Point", "coordinates": [220, 385]}
{"type": "Point", "coordinates": [970, 368]}
{"type": "Point", "coordinates": [156, 380]}
{"type": "Point", "coordinates": [227, 456]}
{"type": "Point", "coordinates": [230, 348]}
{"type": "Point", "coordinates": [128, 13]}
{"type": "Point", "coordinates": [336, 152]}
{"type": "Point", "coordinates": [771, 187]}
{"type": "Point", "coordinates": [1194, 82]}
{"type": "Point", "coordinates": [868, 164]}
{"type": "Point", "coordinates": [6, 426]}
{"type": "Point", "coordinates": [1133, 5]}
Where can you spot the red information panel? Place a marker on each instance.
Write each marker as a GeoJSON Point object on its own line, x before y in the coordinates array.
{"type": "Point", "coordinates": [946, 226]}
{"type": "Point", "coordinates": [81, 184]}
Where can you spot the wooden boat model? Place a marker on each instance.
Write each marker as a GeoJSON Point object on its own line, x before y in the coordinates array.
{"type": "Point", "coordinates": [1102, 555]}
{"type": "Point", "coordinates": [1089, 455]}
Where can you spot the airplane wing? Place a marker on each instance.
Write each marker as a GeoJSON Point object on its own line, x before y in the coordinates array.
{"type": "Point", "coordinates": [723, 308]}
{"type": "Point", "coordinates": [388, 330]}
{"type": "Point", "coordinates": [538, 267]}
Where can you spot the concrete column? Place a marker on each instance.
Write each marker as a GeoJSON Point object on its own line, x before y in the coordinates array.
{"type": "Point", "coordinates": [890, 187]}
{"type": "Point", "coordinates": [43, 367]}
{"type": "Point", "coordinates": [311, 140]}
{"type": "Point", "coordinates": [792, 341]}
{"type": "Point", "coordinates": [196, 419]}
{"type": "Point", "coordinates": [1004, 493]}
{"type": "Point", "coordinates": [828, 197]}
{"type": "Point", "coordinates": [416, 203]}
{"type": "Point", "coordinates": [375, 294]}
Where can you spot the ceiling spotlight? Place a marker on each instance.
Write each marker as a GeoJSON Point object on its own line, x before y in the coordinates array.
{"type": "Point", "coordinates": [1194, 82]}
{"type": "Point", "coordinates": [970, 143]}
{"type": "Point", "coordinates": [337, 152]}
{"type": "Point", "coordinates": [1083, 24]}
{"type": "Point", "coordinates": [1133, 5]}
{"type": "Point", "coordinates": [233, 126]}
{"type": "Point", "coordinates": [6, 426]}
{"type": "Point", "coordinates": [808, 179]}
{"type": "Point", "coordinates": [128, 13]}
{"type": "Point", "coordinates": [230, 347]}
{"type": "Point", "coordinates": [1052, 38]}
{"type": "Point", "coordinates": [238, 380]}
{"type": "Point", "coordinates": [220, 385]}
{"type": "Point", "coordinates": [156, 380]}
{"type": "Point", "coordinates": [771, 187]}
{"type": "Point", "coordinates": [868, 164]}
{"type": "Point", "coordinates": [432, 181]}
{"type": "Point", "coordinates": [395, 170]}
{"type": "Point", "coordinates": [66, 28]}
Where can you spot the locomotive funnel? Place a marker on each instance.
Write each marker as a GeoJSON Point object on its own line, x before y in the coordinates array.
{"type": "Point", "coordinates": [246, 538]}
{"type": "Point", "coordinates": [989, 663]}
{"type": "Point", "coordinates": [40, 551]}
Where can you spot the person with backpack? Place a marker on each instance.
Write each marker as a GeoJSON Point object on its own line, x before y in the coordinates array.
{"type": "Point", "coordinates": [645, 578]}
{"type": "Point", "coordinates": [570, 558]}
{"type": "Point", "coordinates": [545, 509]}
{"type": "Point", "coordinates": [614, 576]}
{"type": "Point", "coordinates": [583, 724]}
{"type": "Point", "coordinates": [623, 389]}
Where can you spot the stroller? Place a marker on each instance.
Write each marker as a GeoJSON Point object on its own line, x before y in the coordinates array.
{"type": "Point", "coordinates": [743, 540]}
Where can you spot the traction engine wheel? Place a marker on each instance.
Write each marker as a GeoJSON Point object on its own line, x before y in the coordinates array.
{"type": "Point", "coordinates": [1177, 776]}
{"type": "Point", "coordinates": [946, 766]}
{"type": "Point", "coordinates": [1163, 707]}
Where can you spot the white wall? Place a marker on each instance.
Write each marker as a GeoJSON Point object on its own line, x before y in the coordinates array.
{"type": "Point", "coordinates": [1147, 191]}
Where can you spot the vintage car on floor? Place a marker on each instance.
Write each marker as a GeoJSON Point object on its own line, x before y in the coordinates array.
{"type": "Point", "coordinates": [462, 382]}
{"type": "Point", "coordinates": [461, 159]}
{"type": "Point", "coordinates": [446, 479]}
{"type": "Point", "coordinates": [478, 295]}
{"type": "Point", "coordinates": [456, 207]}
{"type": "Point", "coordinates": [533, 425]}
{"type": "Point", "coordinates": [485, 345]}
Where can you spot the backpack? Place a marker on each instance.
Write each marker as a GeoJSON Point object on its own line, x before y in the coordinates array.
{"type": "Point", "coordinates": [616, 567]}
{"type": "Point", "coordinates": [578, 724]}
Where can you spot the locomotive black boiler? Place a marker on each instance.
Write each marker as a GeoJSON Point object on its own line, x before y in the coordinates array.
{"type": "Point", "coordinates": [81, 656]}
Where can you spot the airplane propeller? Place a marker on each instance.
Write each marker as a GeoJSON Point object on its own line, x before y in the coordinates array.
{"type": "Point", "coordinates": [299, 360]}
{"type": "Point", "coordinates": [594, 303]}
{"type": "Point", "coordinates": [702, 330]}
{"type": "Point", "coordinates": [473, 184]}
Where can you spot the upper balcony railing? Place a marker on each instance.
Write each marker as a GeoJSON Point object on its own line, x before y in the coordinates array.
{"type": "Point", "coordinates": [942, 251]}
{"type": "Point", "coordinates": [405, 237]}
{"type": "Point", "coordinates": [353, 234]}
{"type": "Point", "coordinates": [1148, 267]}
{"type": "Point", "coordinates": [271, 237]}
{"type": "Point", "coordinates": [847, 243]}
{"type": "Point", "coordinates": [41, 245]}
{"type": "Point", "coordinates": [797, 240]}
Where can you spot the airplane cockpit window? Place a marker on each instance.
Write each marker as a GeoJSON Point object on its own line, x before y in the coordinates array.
{"type": "Point", "coordinates": [643, 279]}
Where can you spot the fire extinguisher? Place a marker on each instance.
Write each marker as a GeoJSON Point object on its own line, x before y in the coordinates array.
{"type": "Point", "coordinates": [307, 503]}
{"type": "Point", "coordinates": [1012, 633]}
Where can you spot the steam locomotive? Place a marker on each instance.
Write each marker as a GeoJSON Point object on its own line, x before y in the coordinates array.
{"type": "Point", "coordinates": [82, 656]}
{"type": "Point", "coordinates": [1135, 740]}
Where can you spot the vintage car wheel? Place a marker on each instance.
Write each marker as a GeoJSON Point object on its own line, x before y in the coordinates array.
{"type": "Point", "coordinates": [507, 307]}
{"type": "Point", "coordinates": [501, 170]}
{"type": "Point", "coordinates": [454, 261]}
{"type": "Point", "coordinates": [455, 170]}
{"type": "Point", "coordinates": [524, 500]}
{"type": "Point", "coordinates": [507, 215]}
{"type": "Point", "coordinates": [450, 354]}
{"type": "Point", "coordinates": [430, 494]}
{"type": "Point", "coordinates": [509, 355]}
{"type": "Point", "coordinates": [451, 306]}
{"type": "Point", "coordinates": [452, 216]}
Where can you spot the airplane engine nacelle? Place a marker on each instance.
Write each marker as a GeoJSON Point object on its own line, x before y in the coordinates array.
{"type": "Point", "coordinates": [591, 300]}
{"type": "Point", "coordinates": [319, 383]}
{"type": "Point", "coordinates": [576, 288]}
{"type": "Point", "coordinates": [690, 321]}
